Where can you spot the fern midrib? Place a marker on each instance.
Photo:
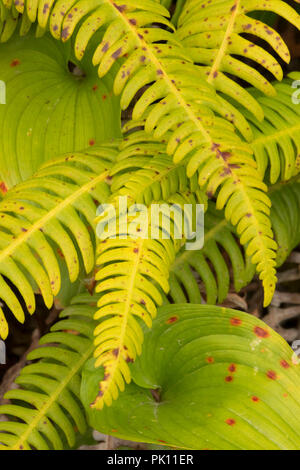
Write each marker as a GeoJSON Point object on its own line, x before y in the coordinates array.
{"type": "Point", "coordinates": [275, 136]}
{"type": "Point", "coordinates": [52, 398]}
{"type": "Point", "coordinates": [9, 250]}
{"type": "Point", "coordinates": [222, 50]}
{"type": "Point", "coordinates": [186, 255]}
{"type": "Point", "coordinates": [144, 45]}
{"type": "Point", "coordinates": [112, 370]}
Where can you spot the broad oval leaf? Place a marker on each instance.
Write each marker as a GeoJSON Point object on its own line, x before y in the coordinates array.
{"type": "Point", "coordinates": [52, 107]}
{"type": "Point", "coordinates": [209, 378]}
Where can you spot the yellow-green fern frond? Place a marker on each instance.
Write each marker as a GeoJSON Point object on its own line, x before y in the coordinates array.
{"type": "Point", "coordinates": [214, 34]}
{"type": "Point", "coordinates": [229, 173]}
{"type": "Point", "coordinates": [145, 173]}
{"type": "Point", "coordinates": [45, 410]}
{"type": "Point", "coordinates": [133, 269]}
{"type": "Point", "coordinates": [48, 217]}
{"type": "Point", "coordinates": [149, 55]}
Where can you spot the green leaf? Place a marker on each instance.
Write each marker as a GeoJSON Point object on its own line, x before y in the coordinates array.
{"type": "Point", "coordinates": [52, 106]}
{"type": "Point", "coordinates": [209, 378]}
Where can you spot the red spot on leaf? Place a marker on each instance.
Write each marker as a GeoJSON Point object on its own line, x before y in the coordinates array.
{"type": "Point", "coordinates": [261, 332]}
{"type": "Point", "coordinates": [255, 399]}
{"type": "Point", "coordinates": [229, 378]}
{"type": "Point", "coordinates": [210, 360]}
{"type": "Point", "coordinates": [232, 368]}
{"type": "Point", "coordinates": [15, 63]}
{"type": "Point", "coordinates": [271, 374]}
{"type": "Point", "coordinates": [284, 364]}
{"type": "Point", "coordinates": [91, 142]}
{"type": "Point", "coordinates": [235, 321]}
{"type": "Point", "coordinates": [172, 319]}
{"type": "Point", "coordinates": [95, 88]}
{"type": "Point", "coordinates": [230, 421]}
{"type": "Point", "coordinates": [3, 187]}
{"type": "Point", "coordinates": [60, 253]}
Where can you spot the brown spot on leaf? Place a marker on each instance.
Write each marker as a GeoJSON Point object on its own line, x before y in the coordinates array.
{"type": "Point", "coordinates": [115, 352]}
{"type": "Point", "coordinates": [117, 53]}
{"type": "Point", "coordinates": [235, 321]}
{"type": "Point", "coordinates": [65, 33]}
{"type": "Point", "coordinates": [105, 47]}
{"type": "Point", "coordinates": [271, 374]}
{"type": "Point", "coordinates": [3, 187]}
{"type": "Point", "coordinates": [229, 378]}
{"type": "Point", "coordinates": [173, 319]}
{"type": "Point", "coordinates": [284, 364]}
{"type": "Point", "coordinates": [15, 63]}
{"type": "Point", "coordinates": [261, 332]}
{"type": "Point", "coordinates": [230, 421]}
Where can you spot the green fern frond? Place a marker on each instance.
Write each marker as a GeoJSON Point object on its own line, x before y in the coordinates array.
{"type": "Point", "coordinates": [276, 142]}
{"type": "Point", "coordinates": [46, 410]}
{"type": "Point", "coordinates": [46, 217]}
{"type": "Point", "coordinates": [285, 217]}
{"type": "Point", "coordinates": [222, 257]}
{"type": "Point", "coordinates": [213, 34]}
{"type": "Point", "coordinates": [211, 264]}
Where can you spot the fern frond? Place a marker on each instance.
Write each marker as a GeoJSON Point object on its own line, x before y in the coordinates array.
{"type": "Point", "coordinates": [178, 100]}
{"type": "Point", "coordinates": [285, 217]}
{"type": "Point", "coordinates": [213, 33]}
{"type": "Point", "coordinates": [46, 217]}
{"type": "Point", "coordinates": [211, 264]}
{"type": "Point", "coordinates": [46, 409]}
{"type": "Point", "coordinates": [222, 252]}
{"type": "Point", "coordinates": [153, 55]}
{"type": "Point", "coordinates": [132, 272]}
{"type": "Point", "coordinates": [232, 176]}
{"type": "Point", "coordinates": [145, 173]}
{"type": "Point", "coordinates": [276, 142]}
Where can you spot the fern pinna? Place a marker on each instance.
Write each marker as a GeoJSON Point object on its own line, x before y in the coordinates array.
{"type": "Point", "coordinates": [193, 133]}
